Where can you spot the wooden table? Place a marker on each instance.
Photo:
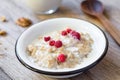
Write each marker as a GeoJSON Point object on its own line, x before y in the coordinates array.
{"type": "Point", "coordinates": [11, 68]}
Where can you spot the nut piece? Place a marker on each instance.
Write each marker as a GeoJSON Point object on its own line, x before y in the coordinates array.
{"type": "Point", "coordinates": [24, 22]}
{"type": "Point", "coordinates": [3, 19]}
{"type": "Point", "coordinates": [3, 33]}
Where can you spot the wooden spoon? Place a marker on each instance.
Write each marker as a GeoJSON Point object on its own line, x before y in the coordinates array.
{"type": "Point", "coordinates": [95, 8]}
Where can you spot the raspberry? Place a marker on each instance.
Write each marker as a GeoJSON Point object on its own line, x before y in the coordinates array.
{"type": "Point", "coordinates": [61, 58]}
{"type": "Point", "coordinates": [58, 44]}
{"type": "Point", "coordinates": [68, 30]}
{"type": "Point", "coordinates": [76, 35]}
{"type": "Point", "coordinates": [72, 32]}
{"type": "Point", "coordinates": [64, 33]}
{"type": "Point", "coordinates": [47, 38]}
{"type": "Point", "coordinates": [52, 43]}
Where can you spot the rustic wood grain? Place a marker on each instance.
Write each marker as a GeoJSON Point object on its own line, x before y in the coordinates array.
{"type": "Point", "coordinates": [4, 76]}
{"type": "Point", "coordinates": [11, 68]}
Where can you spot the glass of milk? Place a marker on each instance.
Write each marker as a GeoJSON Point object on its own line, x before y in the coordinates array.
{"type": "Point", "coordinates": [43, 6]}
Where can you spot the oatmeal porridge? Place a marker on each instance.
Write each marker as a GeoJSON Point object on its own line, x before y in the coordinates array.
{"type": "Point", "coordinates": [60, 49]}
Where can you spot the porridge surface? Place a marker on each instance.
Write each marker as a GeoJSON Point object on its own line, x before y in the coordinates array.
{"type": "Point", "coordinates": [60, 49]}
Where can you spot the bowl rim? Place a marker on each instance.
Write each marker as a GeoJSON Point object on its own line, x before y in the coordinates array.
{"type": "Point", "coordinates": [68, 72]}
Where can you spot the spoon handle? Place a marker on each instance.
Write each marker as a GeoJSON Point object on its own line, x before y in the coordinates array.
{"type": "Point", "coordinates": [114, 32]}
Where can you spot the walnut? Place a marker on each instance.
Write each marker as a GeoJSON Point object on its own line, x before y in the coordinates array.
{"type": "Point", "coordinates": [24, 22]}
{"type": "Point", "coordinates": [3, 19]}
{"type": "Point", "coordinates": [3, 33]}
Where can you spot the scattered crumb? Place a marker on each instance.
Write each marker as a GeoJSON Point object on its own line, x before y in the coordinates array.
{"type": "Point", "coordinates": [24, 22]}
{"type": "Point", "coordinates": [3, 19]}
{"type": "Point", "coordinates": [3, 33]}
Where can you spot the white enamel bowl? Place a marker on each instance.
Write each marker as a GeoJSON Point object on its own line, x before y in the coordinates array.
{"type": "Point", "coordinates": [100, 45]}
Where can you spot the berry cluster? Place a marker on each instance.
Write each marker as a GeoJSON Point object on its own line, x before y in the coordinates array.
{"type": "Point", "coordinates": [62, 57]}
{"type": "Point", "coordinates": [73, 33]}
{"type": "Point", "coordinates": [65, 32]}
{"type": "Point", "coordinates": [57, 43]}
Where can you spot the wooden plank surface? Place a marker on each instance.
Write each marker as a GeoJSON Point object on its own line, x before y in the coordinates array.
{"type": "Point", "coordinates": [3, 75]}
{"type": "Point", "coordinates": [11, 68]}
